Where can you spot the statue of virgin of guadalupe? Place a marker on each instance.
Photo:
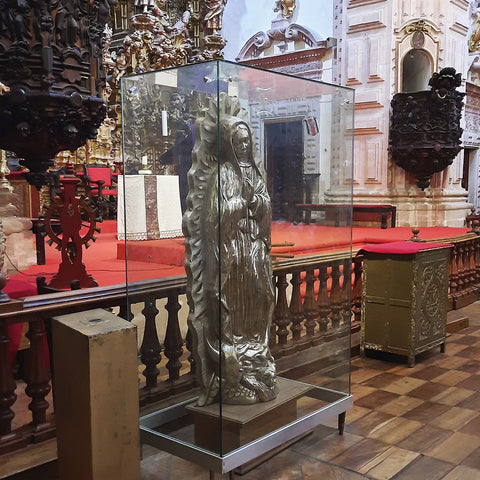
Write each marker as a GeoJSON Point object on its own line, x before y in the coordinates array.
{"type": "Point", "coordinates": [229, 278]}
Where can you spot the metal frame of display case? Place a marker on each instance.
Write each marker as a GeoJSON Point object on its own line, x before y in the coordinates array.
{"type": "Point", "coordinates": [223, 433]}
{"type": "Point", "coordinates": [338, 404]}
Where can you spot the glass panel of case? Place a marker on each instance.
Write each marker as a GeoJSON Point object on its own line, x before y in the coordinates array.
{"type": "Point", "coordinates": [240, 180]}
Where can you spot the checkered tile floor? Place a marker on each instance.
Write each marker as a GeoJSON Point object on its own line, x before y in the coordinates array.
{"type": "Point", "coordinates": [420, 423]}
{"type": "Point", "coordinates": [406, 424]}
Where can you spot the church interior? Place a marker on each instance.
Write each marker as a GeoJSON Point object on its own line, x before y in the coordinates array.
{"type": "Point", "coordinates": [240, 240]}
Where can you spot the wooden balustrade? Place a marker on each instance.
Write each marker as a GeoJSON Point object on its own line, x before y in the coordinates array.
{"type": "Point", "coordinates": [318, 299]}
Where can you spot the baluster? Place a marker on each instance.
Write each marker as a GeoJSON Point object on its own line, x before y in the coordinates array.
{"type": "Point", "coordinates": [281, 312]}
{"type": "Point", "coordinates": [309, 303]}
{"type": "Point", "coordinates": [471, 263]}
{"type": "Point", "coordinates": [347, 292]}
{"type": "Point", "coordinates": [323, 301]}
{"type": "Point", "coordinates": [173, 339]}
{"type": "Point", "coordinates": [296, 306]}
{"type": "Point", "coordinates": [460, 269]}
{"type": "Point", "coordinates": [336, 296]}
{"type": "Point", "coordinates": [7, 391]}
{"type": "Point", "coordinates": [125, 311]}
{"type": "Point", "coordinates": [466, 266]}
{"type": "Point", "coordinates": [453, 270]}
{"type": "Point", "coordinates": [38, 375]}
{"type": "Point", "coordinates": [477, 260]}
{"type": "Point", "coordinates": [150, 349]}
{"type": "Point", "coordinates": [189, 346]}
{"type": "Point", "coordinates": [357, 288]}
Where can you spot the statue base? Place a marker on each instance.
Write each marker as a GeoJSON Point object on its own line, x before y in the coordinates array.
{"type": "Point", "coordinates": [241, 424]}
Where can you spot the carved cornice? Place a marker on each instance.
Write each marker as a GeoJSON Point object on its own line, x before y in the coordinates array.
{"type": "Point", "coordinates": [363, 27]}
{"type": "Point", "coordinates": [257, 44]}
{"type": "Point", "coordinates": [306, 59]}
{"type": "Point", "coordinates": [459, 28]}
{"type": "Point", "coordinates": [366, 131]}
{"type": "Point", "coordinates": [362, 3]}
{"type": "Point", "coordinates": [367, 105]}
{"type": "Point", "coordinates": [463, 4]}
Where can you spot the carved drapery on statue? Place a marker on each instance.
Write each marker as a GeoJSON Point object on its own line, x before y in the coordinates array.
{"type": "Point", "coordinates": [50, 60]}
{"type": "Point", "coordinates": [425, 133]}
{"type": "Point", "coordinates": [229, 279]}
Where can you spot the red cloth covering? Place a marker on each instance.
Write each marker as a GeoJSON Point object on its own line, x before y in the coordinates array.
{"type": "Point", "coordinates": [401, 248]}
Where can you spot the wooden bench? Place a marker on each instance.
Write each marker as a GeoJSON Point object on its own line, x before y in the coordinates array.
{"type": "Point", "coordinates": [343, 212]}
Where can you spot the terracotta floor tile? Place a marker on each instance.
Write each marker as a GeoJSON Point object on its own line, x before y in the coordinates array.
{"type": "Point", "coordinates": [452, 396]}
{"type": "Point", "coordinates": [424, 438]}
{"type": "Point", "coordinates": [427, 391]}
{"type": "Point", "coordinates": [359, 391]}
{"type": "Point", "coordinates": [463, 473]}
{"type": "Point", "coordinates": [395, 431]}
{"type": "Point", "coordinates": [473, 460]}
{"type": "Point", "coordinates": [452, 362]}
{"type": "Point", "coordinates": [454, 419]}
{"type": "Point", "coordinates": [463, 339]}
{"type": "Point", "coordinates": [380, 381]}
{"type": "Point", "coordinates": [404, 385]}
{"type": "Point", "coordinates": [362, 374]}
{"type": "Point", "coordinates": [430, 372]}
{"type": "Point", "coordinates": [426, 412]}
{"type": "Point", "coordinates": [400, 405]}
{"type": "Point", "coordinates": [326, 447]}
{"type": "Point", "coordinates": [472, 427]}
{"type": "Point", "coordinates": [375, 399]}
{"type": "Point", "coordinates": [472, 403]}
{"type": "Point", "coordinates": [470, 366]}
{"type": "Point", "coordinates": [451, 377]}
{"type": "Point", "coordinates": [360, 454]}
{"type": "Point", "coordinates": [363, 426]}
{"type": "Point", "coordinates": [472, 383]}
{"type": "Point", "coordinates": [455, 448]}
{"type": "Point", "coordinates": [404, 370]}
{"type": "Point", "coordinates": [374, 364]}
{"type": "Point", "coordinates": [454, 349]}
{"type": "Point", "coordinates": [356, 412]}
{"type": "Point", "coordinates": [314, 470]}
{"type": "Point", "coordinates": [388, 463]}
{"type": "Point", "coordinates": [425, 468]}
{"type": "Point", "coordinates": [469, 352]}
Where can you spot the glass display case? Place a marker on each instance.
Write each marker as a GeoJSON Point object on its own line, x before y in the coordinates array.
{"type": "Point", "coordinates": [240, 180]}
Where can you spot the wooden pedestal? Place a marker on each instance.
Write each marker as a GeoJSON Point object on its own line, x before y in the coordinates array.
{"type": "Point", "coordinates": [241, 424]}
{"type": "Point", "coordinates": [96, 396]}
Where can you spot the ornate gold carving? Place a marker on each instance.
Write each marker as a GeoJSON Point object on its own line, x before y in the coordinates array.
{"type": "Point", "coordinates": [474, 41]}
{"type": "Point", "coordinates": [417, 31]}
{"type": "Point", "coordinates": [286, 7]}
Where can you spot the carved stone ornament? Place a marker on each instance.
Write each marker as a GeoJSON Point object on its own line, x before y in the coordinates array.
{"type": "Point", "coordinates": [425, 133]}
{"type": "Point", "coordinates": [50, 61]}
{"type": "Point", "coordinates": [229, 279]}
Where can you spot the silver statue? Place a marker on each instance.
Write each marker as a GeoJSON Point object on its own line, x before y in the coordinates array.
{"type": "Point", "coordinates": [227, 235]}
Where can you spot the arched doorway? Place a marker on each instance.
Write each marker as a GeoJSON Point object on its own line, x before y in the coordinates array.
{"type": "Point", "coordinates": [416, 71]}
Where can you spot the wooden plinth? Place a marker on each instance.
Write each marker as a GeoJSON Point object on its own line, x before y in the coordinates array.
{"type": "Point", "coordinates": [241, 424]}
{"type": "Point", "coordinates": [96, 397]}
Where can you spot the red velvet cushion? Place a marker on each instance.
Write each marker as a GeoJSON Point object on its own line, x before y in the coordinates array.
{"type": "Point", "coordinates": [401, 248]}
{"type": "Point", "coordinates": [97, 174]}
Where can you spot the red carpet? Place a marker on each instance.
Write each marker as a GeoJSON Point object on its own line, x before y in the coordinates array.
{"type": "Point", "coordinates": [104, 259]}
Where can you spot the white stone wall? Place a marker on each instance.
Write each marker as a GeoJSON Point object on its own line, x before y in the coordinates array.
{"type": "Point", "coordinates": [371, 43]}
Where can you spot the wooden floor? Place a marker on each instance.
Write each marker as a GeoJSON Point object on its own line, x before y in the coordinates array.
{"type": "Point", "coordinates": [407, 424]}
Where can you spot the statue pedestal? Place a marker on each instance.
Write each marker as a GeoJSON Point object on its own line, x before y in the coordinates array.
{"type": "Point", "coordinates": [241, 424]}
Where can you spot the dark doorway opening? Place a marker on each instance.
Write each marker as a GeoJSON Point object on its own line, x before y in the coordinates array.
{"type": "Point", "coordinates": [284, 163]}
